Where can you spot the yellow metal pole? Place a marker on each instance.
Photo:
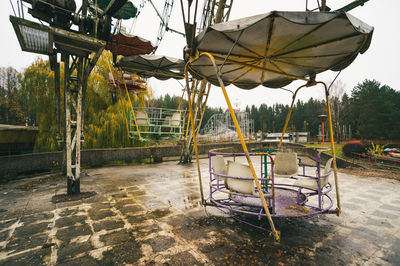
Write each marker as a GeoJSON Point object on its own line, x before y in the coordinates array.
{"type": "Point", "coordinates": [119, 90]}
{"type": "Point", "coordinates": [130, 102]}
{"type": "Point", "coordinates": [275, 233]}
{"type": "Point", "coordinates": [180, 102]}
{"type": "Point", "coordinates": [328, 107]}
{"type": "Point", "coordinates": [189, 95]}
{"type": "Point", "coordinates": [194, 134]}
{"type": "Point", "coordinates": [289, 114]}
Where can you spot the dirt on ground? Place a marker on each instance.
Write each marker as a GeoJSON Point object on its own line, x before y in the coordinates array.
{"type": "Point", "coordinates": [363, 169]}
{"type": "Point", "coordinates": [151, 214]}
{"type": "Point", "coordinates": [372, 172]}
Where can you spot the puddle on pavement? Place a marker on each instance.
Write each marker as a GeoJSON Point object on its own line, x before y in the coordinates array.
{"type": "Point", "coordinates": [142, 216]}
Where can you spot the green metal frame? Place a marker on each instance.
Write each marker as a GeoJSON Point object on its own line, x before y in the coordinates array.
{"type": "Point", "coordinates": [158, 123]}
{"type": "Point", "coordinates": [266, 151]}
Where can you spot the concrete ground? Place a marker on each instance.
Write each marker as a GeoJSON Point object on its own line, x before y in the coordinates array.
{"type": "Point", "coordinates": [150, 214]}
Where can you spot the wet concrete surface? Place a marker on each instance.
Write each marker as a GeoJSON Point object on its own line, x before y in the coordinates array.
{"type": "Point", "coordinates": [151, 215]}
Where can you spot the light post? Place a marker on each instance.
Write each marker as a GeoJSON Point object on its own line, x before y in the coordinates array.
{"type": "Point", "coordinates": [323, 118]}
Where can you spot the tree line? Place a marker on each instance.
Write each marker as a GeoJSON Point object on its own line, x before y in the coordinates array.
{"type": "Point", "coordinates": [371, 111]}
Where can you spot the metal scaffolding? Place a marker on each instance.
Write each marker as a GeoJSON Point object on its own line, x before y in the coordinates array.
{"type": "Point", "coordinates": [219, 124]}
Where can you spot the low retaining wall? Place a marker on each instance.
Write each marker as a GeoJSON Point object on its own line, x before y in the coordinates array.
{"type": "Point", "coordinates": [311, 153]}
{"type": "Point", "coordinates": [50, 161]}
{"type": "Point", "coordinates": [340, 163]}
{"type": "Point", "coordinates": [15, 165]}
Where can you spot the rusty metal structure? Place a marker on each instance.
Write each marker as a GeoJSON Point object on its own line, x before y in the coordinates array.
{"type": "Point", "coordinates": [77, 40]}
{"type": "Point", "coordinates": [219, 124]}
{"type": "Point", "coordinates": [213, 12]}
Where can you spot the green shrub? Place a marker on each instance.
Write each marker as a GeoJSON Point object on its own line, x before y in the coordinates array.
{"type": "Point", "coordinates": [351, 147]}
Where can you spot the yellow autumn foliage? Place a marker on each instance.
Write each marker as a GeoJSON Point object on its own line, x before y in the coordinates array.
{"type": "Point", "coordinates": [105, 122]}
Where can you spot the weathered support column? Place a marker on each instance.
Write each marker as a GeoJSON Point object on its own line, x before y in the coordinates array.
{"type": "Point", "coordinates": [73, 86]}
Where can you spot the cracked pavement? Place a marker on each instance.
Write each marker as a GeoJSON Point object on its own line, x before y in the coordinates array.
{"type": "Point", "coordinates": [150, 214]}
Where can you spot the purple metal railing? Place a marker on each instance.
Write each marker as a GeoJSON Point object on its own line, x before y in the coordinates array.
{"type": "Point", "coordinates": [236, 202]}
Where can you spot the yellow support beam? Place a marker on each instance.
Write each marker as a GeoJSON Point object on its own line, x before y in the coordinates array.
{"type": "Point", "coordinates": [194, 134]}
{"type": "Point", "coordinates": [275, 233]}
{"type": "Point", "coordinates": [310, 83]}
{"type": "Point", "coordinates": [289, 114]}
{"type": "Point", "coordinates": [194, 86]}
{"type": "Point", "coordinates": [328, 107]}
{"type": "Point", "coordinates": [130, 103]}
{"type": "Point", "coordinates": [119, 90]}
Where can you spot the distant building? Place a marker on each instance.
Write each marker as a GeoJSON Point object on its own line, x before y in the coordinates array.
{"type": "Point", "coordinates": [291, 137]}
{"type": "Point", "coordinates": [302, 137]}
{"type": "Point", "coordinates": [275, 137]}
{"type": "Point", "coordinates": [8, 75]}
{"type": "Point", "coordinates": [17, 139]}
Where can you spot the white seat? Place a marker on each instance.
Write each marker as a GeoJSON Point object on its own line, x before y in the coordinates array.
{"type": "Point", "coordinates": [218, 166]}
{"type": "Point", "coordinates": [141, 118]}
{"type": "Point", "coordinates": [285, 164]}
{"type": "Point", "coordinates": [240, 185]}
{"type": "Point", "coordinates": [167, 120]}
{"type": "Point", "coordinates": [176, 119]}
{"type": "Point", "coordinates": [312, 183]}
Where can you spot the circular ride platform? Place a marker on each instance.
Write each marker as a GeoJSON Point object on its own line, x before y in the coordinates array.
{"type": "Point", "coordinates": [233, 191]}
{"type": "Point", "coordinates": [285, 205]}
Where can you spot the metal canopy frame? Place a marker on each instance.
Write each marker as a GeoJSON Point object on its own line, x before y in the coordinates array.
{"type": "Point", "coordinates": [159, 67]}
{"type": "Point", "coordinates": [30, 36]}
{"type": "Point", "coordinates": [276, 48]}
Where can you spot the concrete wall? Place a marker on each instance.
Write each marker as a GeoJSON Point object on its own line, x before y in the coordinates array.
{"type": "Point", "coordinates": [39, 162]}
{"type": "Point", "coordinates": [29, 163]}
{"type": "Point", "coordinates": [311, 153]}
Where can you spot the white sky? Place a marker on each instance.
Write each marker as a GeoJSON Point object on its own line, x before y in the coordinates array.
{"type": "Point", "coordinates": [380, 62]}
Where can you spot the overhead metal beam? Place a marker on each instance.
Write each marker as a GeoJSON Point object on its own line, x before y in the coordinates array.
{"type": "Point", "coordinates": [352, 5]}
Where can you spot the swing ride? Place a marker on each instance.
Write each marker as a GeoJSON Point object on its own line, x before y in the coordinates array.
{"type": "Point", "coordinates": [270, 50]}
{"type": "Point", "coordinates": [273, 50]}
{"type": "Point", "coordinates": [151, 121]}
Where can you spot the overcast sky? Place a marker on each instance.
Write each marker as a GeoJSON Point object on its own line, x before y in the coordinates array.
{"type": "Point", "coordinates": [380, 62]}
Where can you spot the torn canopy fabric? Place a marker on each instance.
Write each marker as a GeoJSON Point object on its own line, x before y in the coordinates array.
{"type": "Point", "coordinates": [159, 67]}
{"type": "Point", "coordinates": [126, 11]}
{"type": "Point", "coordinates": [127, 45]}
{"type": "Point", "coordinates": [277, 48]}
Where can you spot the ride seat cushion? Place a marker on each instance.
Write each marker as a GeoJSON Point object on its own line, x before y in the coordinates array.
{"type": "Point", "coordinates": [218, 166]}
{"type": "Point", "coordinates": [167, 121]}
{"type": "Point", "coordinates": [176, 119]}
{"type": "Point", "coordinates": [286, 164]}
{"type": "Point", "coordinates": [141, 118]}
{"type": "Point", "coordinates": [240, 185]}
